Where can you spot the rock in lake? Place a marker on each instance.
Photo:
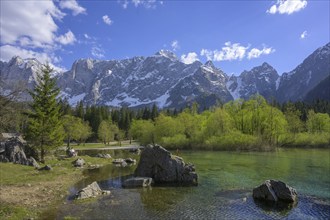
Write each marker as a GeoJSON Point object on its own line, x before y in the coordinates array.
{"type": "Point", "coordinates": [137, 182]}
{"type": "Point", "coordinates": [91, 191]}
{"type": "Point", "coordinates": [275, 191]}
{"type": "Point", "coordinates": [163, 167]}
{"type": "Point", "coordinates": [79, 162]}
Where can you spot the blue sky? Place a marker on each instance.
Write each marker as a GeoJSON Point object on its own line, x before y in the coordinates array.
{"type": "Point", "coordinates": [235, 35]}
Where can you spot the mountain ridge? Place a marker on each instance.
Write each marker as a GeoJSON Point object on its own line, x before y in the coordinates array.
{"type": "Point", "coordinates": [164, 80]}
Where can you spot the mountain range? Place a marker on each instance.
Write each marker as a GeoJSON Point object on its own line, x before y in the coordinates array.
{"type": "Point", "coordinates": [164, 80]}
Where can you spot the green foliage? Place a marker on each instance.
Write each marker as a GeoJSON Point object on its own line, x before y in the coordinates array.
{"type": "Point", "coordinates": [239, 124]}
{"type": "Point", "coordinates": [143, 131]}
{"type": "Point", "coordinates": [318, 122]}
{"type": "Point", "coordinates": [75, 129]}
{"type": "Point", "coordinates": [45, 130]}
{"type": "Point", "coordinates": [107, 131]}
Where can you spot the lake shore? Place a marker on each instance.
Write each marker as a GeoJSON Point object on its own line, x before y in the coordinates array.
{"type": "Point", "coordinates": [25, 192]}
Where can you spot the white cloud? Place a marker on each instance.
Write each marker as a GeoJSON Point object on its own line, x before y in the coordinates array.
{"type": "Point", "coordinates": [230, 52]}
{"type": "Point", "coordinates": [303, 35]}
{"type": "Point", "coordinates": [175, 45]}
{"type": "Point", "coordinates": [107, 20]}
{"type": "Point", "coordinates": [287, 6]}
{"type": "Point", "coordinates": [235, 52]}
{"type": "Point", "coordinates": [67, 38]}
{"type": "Point", "coordinates": [72, 5]}
{"type": "Point", "coordinates": [207, 53]}
{"type": "Point", "coordinates": [189, 58]}
{"type": "Point", "coordinates": [97, 52]}
{"type": "Point", "coordinates": [255, 52]}
{"type": "Point", "coordinates": [87, 36]}
{"type": "Point", "coordinates": [149, 4]}
{"type": "Point", "coordinates": [29, 22]}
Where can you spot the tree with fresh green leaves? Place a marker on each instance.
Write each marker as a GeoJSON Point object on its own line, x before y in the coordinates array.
{"type": "Point", "coordinates": [75, 129]}
{"type": "Point", "coordinates": [45, 130]}
{"type": "Point", "coordinates": [318, 122]}
{"type": "Point", "coordinates": [143, 131]}
{"type": "Point", "coordinates": [107, 131]}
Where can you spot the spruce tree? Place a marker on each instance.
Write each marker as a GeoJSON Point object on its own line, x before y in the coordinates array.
{"type": "Point", "coordinates": [45, 129]}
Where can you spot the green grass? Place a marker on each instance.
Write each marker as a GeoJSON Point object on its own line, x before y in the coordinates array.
{"type": "Point", "coordinates": [101, 145]}
{"type": "Point", "coordinates": [21, 177]}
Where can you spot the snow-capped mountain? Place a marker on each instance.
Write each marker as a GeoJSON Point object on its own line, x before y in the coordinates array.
{"type": "Point", "coordinates": [166, 81]}
{"type": "Point", "coordinates": [261, 80]}
{"type": "Point", "coordinates": [297, 83]}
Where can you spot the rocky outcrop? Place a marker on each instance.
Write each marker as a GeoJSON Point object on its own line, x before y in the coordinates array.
{"type": "Point", "coordinates": [91, 191]}
{"type": "Point", "coordinates": [13, 151]}
{"type": "Point", "coordinates": [137, 182]}
{"type": "Point", "coordinates": [163, 167]}
{"type": "Point", "coordinates": [79, 162]}
{"type": "Point", "coordinates": [275, 191]}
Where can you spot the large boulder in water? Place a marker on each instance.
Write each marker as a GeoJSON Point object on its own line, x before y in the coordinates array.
{"type": "Point", "coordinates": [275, 191]}
{"type": "Point", "coordinates": [163, 167]}
{"type": "Point", "coordinates": [91, 191]}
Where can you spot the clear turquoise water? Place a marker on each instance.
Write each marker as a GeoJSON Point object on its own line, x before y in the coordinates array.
{"type": "Point", "coordinates": [226, 180]}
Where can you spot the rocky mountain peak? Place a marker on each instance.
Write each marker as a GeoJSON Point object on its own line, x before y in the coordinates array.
{"type": "Point", "coordinates": [16, 60]}
{"type": "Point", "coordinates": [167, 53]}
{"type": "Point", "coordinates": [209, 63]}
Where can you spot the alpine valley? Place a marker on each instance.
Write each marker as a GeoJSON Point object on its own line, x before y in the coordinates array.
{"type": "Point", "coordinates": [164, 80]}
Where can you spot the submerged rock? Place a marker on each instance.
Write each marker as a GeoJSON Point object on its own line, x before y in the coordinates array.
{"type": "Point", "coordinates": [275, 191]}
{"type": "Point", "coordinates": [163, 167]}
{"type": "Point", "coordinates": [91, 191]}
{"type": "Point", "coordinates": [137, 182]}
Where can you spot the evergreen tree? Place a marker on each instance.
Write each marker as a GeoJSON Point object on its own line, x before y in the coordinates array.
{"type": "Point", "coordinates": [45, 129]}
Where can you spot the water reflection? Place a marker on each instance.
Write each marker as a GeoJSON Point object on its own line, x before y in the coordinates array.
{"type": "Point", "coordinates": [226, 180]}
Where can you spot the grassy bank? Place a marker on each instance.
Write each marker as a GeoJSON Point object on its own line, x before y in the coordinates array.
{"type": "Point", "coordinates": [26, 192]}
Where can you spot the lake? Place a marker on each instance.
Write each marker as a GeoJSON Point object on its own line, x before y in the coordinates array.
{"type": "Point", "coordinates": [226, 180]}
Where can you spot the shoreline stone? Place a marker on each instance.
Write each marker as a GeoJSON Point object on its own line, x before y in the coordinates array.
{"type": "Point", "coordinates": [163, 167]}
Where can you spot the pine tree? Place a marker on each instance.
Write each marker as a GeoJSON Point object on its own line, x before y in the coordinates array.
{"type": "Point", "coordinates": [45, 129]}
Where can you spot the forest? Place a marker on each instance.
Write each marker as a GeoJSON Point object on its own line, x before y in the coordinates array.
{"type": "Point", "coordinates": [253, 124]}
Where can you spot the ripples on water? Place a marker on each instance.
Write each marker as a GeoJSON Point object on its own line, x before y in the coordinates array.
{"type": "Point", "coordinates": [224, 190]}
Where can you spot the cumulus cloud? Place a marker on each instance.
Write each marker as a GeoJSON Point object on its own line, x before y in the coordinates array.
{"type": "Point", "coordinates": [207, 53]}
{"type": "Point", "coordinates": [107, 20]}
{"type": "Point", "coordinates": [28, 29]}
{"type": "Point", "coordinates": [87, 36]}
{"type": "Point", "coordinates": [72, 5]}
{"type": "Point", "coordinates": [303, 35]}
{"type": "Point", "coordinates": [235, 52]}
{"type": "Point", "coordinates": [189, 58]}
{"type": "Point", "coordinates": [97, 52]}
{"type": "Point", "coordinates": [228, 52]}
{"type": "Point", "coordinates": [255, 52]}
{"type": "Point", "coordinates": [287, 6]}
{"type": "Point", "coordinates": [175, 45]}
{"type": "Point", "coordinates": [38, 29]}
{"type": "Point", "coordinates": [149, 4]}
{"type": "Point", "coordinates": [67, 38]}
